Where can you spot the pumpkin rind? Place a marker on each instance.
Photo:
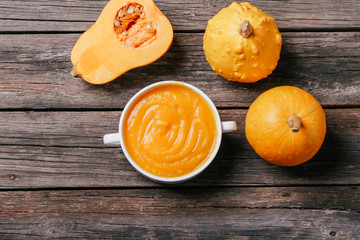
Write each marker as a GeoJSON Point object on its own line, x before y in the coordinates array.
{"type": "Point", "coordinates": [268, 131]}
{"type": "Point", "coordinates": [100, 57]}
{"type": "Point", "coordinates": [237, 56]}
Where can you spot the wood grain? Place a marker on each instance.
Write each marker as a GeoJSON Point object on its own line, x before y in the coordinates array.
{"type": "Point", "coordinates": [185, 15]}
{"type": "Point", "coordinates": [34, 72]}
{"type": "Point", "coordinates": [205, 224]}
{"type": "Point", "coordinates": [65, 149]}
{"type": "Point", "coordinates": [186, 213]}
{"type": "Point", "coordinates": [50, 156]}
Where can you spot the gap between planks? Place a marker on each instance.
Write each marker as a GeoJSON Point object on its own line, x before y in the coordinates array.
{"type": "Point", "coordinates": [349, 106]}
{"type": "Point", "coordinates": [286, 30]}
{"type": "Point", "coordinates": [177, 187]}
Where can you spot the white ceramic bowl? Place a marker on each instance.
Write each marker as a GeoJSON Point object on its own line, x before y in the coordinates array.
{"type": "Point", "coordinates": [117, 138]}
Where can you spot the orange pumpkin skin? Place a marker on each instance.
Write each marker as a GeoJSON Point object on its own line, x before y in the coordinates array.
{"type": "Point", "coordinates": [125, 36]}
{"type": "Point", "coordinates": [269, 133]}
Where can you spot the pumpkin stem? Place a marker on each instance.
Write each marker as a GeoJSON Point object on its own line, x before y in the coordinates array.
{"type": "Point", "coordinates": [74, 73]}
{"type": "Point", "coordinates": [294, 123]}
{"type": "Point", "coordinates": [246, 29]}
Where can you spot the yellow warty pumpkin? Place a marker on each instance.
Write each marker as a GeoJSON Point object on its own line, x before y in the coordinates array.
{"type": "Point", "coordinates": [242, 43]}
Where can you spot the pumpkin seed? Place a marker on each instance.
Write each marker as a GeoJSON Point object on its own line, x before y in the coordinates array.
{"type": "Point", "coordinates": [124, 33]}
{"type": "Point", "coordinates": [121, 13]}
{"type": "Point", "coordinates": [136, 10]}
{"type": "Point", "coordinates": [130, 10]}
{"type": "Point", "coordinates": [117, 23]}
{"type": "Point", "coordinates": [148, 26]}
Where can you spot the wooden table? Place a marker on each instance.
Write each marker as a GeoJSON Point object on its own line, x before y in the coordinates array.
{"type": "Point", "coordinates": [58, 180]}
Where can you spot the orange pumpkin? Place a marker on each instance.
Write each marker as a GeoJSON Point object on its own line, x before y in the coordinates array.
{"type": "Point", "coordinates": [285, 126]}
{"type": "Point", "coordinates": [125, 36]}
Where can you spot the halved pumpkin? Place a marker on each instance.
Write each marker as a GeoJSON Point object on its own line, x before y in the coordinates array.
{"type": "Point", "coordinates": [125, 36]}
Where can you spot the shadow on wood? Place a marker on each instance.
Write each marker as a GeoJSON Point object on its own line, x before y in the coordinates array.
{"type": "Point", "coordinates": [221, 169]}
{"type": "Point", "coordinates": [325, 165]}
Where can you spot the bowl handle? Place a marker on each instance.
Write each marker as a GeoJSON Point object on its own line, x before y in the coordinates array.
{"type": "Point", "coordinates": [112, 138]}
{"type": "Point", "coordinates": [228, 126]}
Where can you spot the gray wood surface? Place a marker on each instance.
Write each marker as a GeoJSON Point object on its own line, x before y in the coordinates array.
{"type": "Point", "coordinates": [185, 15]}
{"type": "Point", "coordinates": [213, 223]}
{"type": "Point", "coordinates": [35, 72]}
{"type": "Point", "coordinates": [36, 154]}
{"type": "Point", "coordinates": [201, 213]}
{"type": "Point", "coordinates": [58, 180]}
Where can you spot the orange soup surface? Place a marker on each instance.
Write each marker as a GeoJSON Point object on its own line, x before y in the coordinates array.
{"type": "Point", "coordinates": [170, 131]}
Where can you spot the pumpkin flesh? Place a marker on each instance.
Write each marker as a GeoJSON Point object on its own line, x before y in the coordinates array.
{"type": "Point", "coordinates": [114, 44]}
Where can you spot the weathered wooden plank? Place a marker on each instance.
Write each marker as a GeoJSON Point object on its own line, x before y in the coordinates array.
{"type": "Point", "coordinates": [36, 154]}
{"type": "Point", "coordinates": [34, 72]}
{"type": "Point", "coordinates": [78, 15]}
{"type": "Point", "coordinates": [311, 197]}
{"type": "Point", "coordinates": [86, 128]}
{"type": "Point", "coordinates": [211, 213]}
{"type": "Point", "coordinates": [206, 224]}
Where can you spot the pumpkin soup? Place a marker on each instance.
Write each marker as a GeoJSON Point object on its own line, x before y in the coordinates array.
{"type": "Point", "coordinates": [170, 131]}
